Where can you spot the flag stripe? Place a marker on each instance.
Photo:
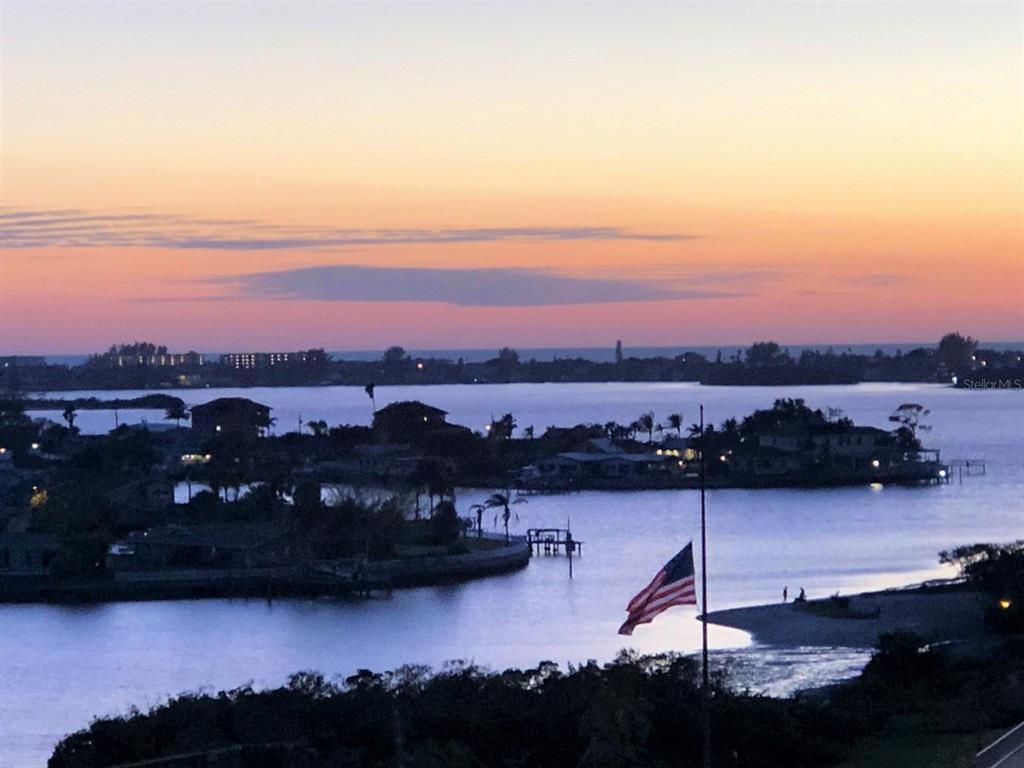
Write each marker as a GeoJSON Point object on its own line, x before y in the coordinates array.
{"type": "Point", "coordinates": [646, 617]}
{"type": "Point", "coordinates": [661, 593]}
{"type": "Point", "coordinates": [683, 597]}
{"type": "Point", "coordinates": [663, 607]}
{"type": "Point", "coordinates": [644, 594]}
{"type": "Point", "coordinates": [669, 593]}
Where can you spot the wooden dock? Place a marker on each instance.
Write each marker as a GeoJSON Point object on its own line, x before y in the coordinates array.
{"type": "Point", "coordinates": [964, 468]}
{"type": "Point", "coordinates": [553, 541]}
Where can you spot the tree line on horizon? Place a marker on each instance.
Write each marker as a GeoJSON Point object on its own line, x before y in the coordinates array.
{"type": "Point", "coordinates": [955, 357]}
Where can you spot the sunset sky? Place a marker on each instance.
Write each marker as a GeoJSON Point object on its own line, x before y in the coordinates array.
{"type": "Point", "coordinates": [225, 176]}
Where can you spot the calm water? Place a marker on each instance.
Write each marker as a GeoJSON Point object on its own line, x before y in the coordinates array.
{"type": "Point", "coordinates": [61, 666]}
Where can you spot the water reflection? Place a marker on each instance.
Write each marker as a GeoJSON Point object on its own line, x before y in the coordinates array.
{"type": "Point", "coordinates": [60, 666]}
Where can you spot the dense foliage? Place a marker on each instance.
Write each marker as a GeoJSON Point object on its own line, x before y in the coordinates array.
{"type": "Point", "coordinates": [634, 712]}
{"type": "Point", "coordinates": [997, 571]}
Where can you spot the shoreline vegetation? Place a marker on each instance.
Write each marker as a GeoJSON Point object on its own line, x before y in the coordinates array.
{"type": "Point", "coordinates": [921, 701]}
{"type": "Point", "coordinates": [956, 360]}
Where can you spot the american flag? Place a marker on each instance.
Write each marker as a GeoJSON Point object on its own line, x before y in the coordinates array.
{"type": "Point", "coordinates": [673, 585]}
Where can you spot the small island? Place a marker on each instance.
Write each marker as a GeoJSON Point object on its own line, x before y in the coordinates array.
{"type": "Point", "coordinates": [357, 509]}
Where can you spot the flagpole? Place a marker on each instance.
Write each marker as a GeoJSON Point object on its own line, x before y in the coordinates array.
{"type": "Point", "coordinates": [705, 689]}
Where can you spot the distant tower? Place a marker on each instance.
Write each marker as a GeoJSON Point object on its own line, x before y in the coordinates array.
{"type": "Point", "coordinates": [618, 351]}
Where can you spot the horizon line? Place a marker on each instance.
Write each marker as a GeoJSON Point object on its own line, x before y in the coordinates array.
{"type": "Point", "coordinates": [496, 348]}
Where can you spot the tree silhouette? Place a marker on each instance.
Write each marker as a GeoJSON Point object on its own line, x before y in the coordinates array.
{"type": "Point", "coordinates": [956, 352]}
{"type": "Point", "coordinates": [675, 421]}
{"type": "Point", "coordinates": [177, 412]}
{"type": "Point", "coordinates": [910, 416]}
{"type": "Point", "coordinates": [503, 502]}
{"type": "Point", "coordinates": [646, 424]}
{"type": "Point", "coordinates": [69, 417]}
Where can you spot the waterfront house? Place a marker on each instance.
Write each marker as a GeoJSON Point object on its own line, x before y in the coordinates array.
{"type": "Point", "coordinates": [403, 421]}
{"type": "Point", "coordinates": [236, 417]}
{"type": "Point", "coordinates": [209, 545]}
{"type": "Point", "coordinates": [574, 466]}
{"type": "Point", "coordinates": [766, 461]}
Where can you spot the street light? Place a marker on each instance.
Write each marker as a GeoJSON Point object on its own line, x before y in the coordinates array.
{"type": "Point", "coordinates": [876, 463]}
{"type": "Point", "coordinates": [1005, 603]}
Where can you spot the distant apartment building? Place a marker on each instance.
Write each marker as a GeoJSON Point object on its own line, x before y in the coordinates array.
{"type": "Point", "coordinates": [146, 355]}
{"type": "Point", "coordinates": [259, 360]}
{"type": "Point", "coordinates": [159, 360]}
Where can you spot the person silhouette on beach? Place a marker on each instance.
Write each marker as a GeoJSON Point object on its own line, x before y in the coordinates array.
{"type": "Point", "coordinates": [785, 594]}
{"type": "Point", "coordinates": [801, 597]}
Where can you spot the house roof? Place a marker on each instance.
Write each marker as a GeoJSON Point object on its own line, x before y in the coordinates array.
{"type": "Point", "coordinates": [604, 445]}
{"type": "Point", "coordinates": [583, 457]}
{"type": "Point", "coordinates": [410, 407]}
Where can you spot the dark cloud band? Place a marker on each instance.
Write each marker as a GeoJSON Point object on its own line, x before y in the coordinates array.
{"type": "Point", "coordinates": [463, 287]}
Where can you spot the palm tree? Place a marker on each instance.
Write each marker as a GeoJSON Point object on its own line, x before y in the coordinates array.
{"type": "Point", "coordinates": [646, 424]}
{"type": "Point", "coordinates": [675, 421]}
{"type": "Point", "coordinates": [478, 510]}
{"type": "Point", "coordinates": [528, 432]}
{"type": "Point", "coordinates": [504, 502]}
{"type": "Point", "coordinates": [318, 427]}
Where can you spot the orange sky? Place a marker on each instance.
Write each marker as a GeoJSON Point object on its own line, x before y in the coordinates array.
{"type": "Point", "coordinates": [675, 174]}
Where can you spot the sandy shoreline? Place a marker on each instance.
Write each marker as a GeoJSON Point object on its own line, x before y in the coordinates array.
{"type": "Point", "coordinates": [937, 614]}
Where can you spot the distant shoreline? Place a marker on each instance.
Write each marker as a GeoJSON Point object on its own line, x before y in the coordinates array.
{"type": "Point", "coordinates": [594, 353]}
{"type": "Point", "coordinates": [143, 365]}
